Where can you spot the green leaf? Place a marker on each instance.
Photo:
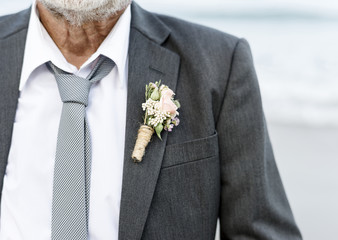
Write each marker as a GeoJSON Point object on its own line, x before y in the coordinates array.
{"type": "Point", "coordinates": [177, 103]}
{"type": "Point", "coordinates": [155, 95]}
{"type": "Point", "coordinates": [158, 130]}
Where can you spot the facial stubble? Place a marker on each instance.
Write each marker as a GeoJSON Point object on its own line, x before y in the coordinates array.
{"type": "Point", "coordinates": [80, 12]}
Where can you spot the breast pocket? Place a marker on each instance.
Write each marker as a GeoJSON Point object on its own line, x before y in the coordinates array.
{"type": "Point", "coordinates": [187, 191]}
{"type": "Point", "coordinates": [187, 152]}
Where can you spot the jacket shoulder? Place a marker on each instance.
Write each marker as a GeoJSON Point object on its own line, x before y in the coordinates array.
{"type": "Point", "coordinates": [13, 23]}
{"type": "Point", "coordinates": [195, 35]}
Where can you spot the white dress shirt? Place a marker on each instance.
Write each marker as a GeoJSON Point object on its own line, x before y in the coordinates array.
{"type": "Point", "coordinates": [28, 183]}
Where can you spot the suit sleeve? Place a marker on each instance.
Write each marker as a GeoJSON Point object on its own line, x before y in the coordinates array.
{"type": "Point", "coordinates": [253, 201]}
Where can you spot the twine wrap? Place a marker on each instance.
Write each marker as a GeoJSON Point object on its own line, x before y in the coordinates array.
{"type": "Point", "coordinates": [143, 138]}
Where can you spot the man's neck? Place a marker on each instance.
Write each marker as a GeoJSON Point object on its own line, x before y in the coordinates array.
{"type": "Point", "coordinates": [77, 43]}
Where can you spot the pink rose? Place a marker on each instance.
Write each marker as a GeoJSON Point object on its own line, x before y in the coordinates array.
{"type": "Point", "coordinates": [166, 104]}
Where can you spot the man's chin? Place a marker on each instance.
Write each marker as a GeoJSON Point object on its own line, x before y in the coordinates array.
{"type": "Point", "coordinates": [78, 15]}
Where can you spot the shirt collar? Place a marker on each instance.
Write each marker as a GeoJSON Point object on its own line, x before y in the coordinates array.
{"type": "Point", "coordinates": [40, 48]}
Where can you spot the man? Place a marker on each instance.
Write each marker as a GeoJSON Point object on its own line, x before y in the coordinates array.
{"type": "Point", "coordinates": [218, 163]}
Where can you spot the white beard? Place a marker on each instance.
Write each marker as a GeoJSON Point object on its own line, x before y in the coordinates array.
{"type": "Point", "coordinates": [79, 12]}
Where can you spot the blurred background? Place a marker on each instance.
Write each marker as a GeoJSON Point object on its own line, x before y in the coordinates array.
{"type": "Point", "coordinates": [295, 49]}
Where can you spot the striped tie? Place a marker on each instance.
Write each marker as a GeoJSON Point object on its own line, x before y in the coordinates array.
{"type": "Point", "coordinates": [71, 184]}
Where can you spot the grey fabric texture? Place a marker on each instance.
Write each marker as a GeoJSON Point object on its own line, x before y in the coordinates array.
{"type": "Point", "coordinates": [13, 31]}
{"type": "Point", "coordinates": [218, 163]}
{"type": "Point", "coordinates": [72, 169]}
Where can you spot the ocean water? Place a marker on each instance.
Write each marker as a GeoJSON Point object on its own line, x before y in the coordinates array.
{"type": "Point", "coordinates": [297, 66]}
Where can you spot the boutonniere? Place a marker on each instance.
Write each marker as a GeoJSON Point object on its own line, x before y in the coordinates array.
{"type": "Point", "coordinates": [160, 114]}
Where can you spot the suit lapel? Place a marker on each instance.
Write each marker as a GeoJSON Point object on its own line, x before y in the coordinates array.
{"type": "Point", "coordinates": [12, 44]}
{"type": "Point", "coordinates": [148, 62]}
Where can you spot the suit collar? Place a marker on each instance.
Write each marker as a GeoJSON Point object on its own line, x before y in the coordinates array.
{"type": "Point", "coordinates": [14, 23]}
{"type": "Point", "coordinates": [148, 62]}
{"type": "Point", "coordinates": [149, 24]}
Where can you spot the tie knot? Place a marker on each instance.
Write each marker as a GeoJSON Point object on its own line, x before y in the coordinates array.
{"type": "Point", "coordinates": [73, 88]}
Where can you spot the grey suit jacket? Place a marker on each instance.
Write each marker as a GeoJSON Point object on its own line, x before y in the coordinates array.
{"type": "Point", "coordinates": [217, 164]}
